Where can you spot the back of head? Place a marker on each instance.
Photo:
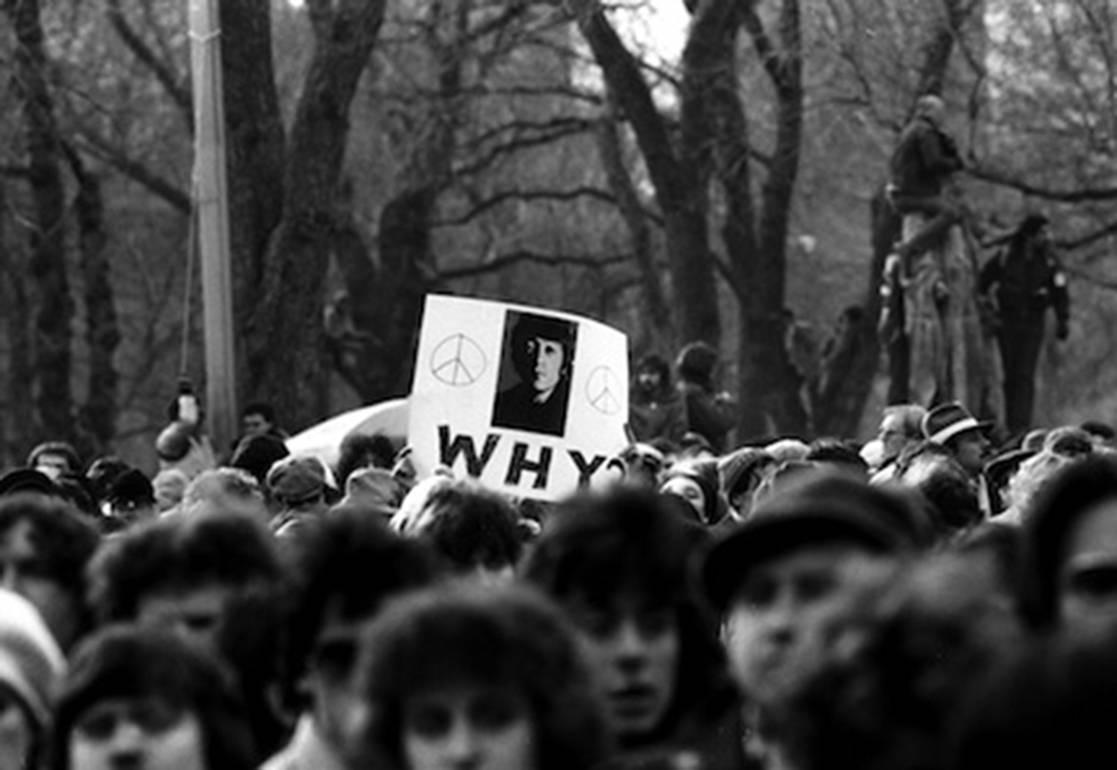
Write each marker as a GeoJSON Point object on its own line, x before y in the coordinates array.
{"type": "Point", "coordinates": [180, 553]}
{"type": "Point", "coordinates": [505, 638]}
{"type": "Point", "coordinates": [839, 455]}
{"type": "Point", "coordinates": [131, 663]}
{"type": "Point", "coordinates": [696, 362]}
{"type": "Point", "coordinates": [359, 450]}
{"type": "Point", "coordinates": [471, 526]}
{"type": "Point", "coordinates": [63, 537]}
{"type": "Point", "coordinates": [349, 566]}
{"type": "Point", "coordinates": [223, 490]}
{"type": "Point", "coordinates": [257, 454]}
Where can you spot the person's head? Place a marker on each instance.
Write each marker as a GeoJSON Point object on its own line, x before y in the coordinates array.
{"type": "Point", "coordinates": [257, 419]}
{"type": "Point", "coordinates": [170, 487]}
{"type": "Point", "coordinates": [31, 664]}
{"type": "Point", "coordinates": [360, 450]}
{"type": "Point", "coordinates": [475, 530]}
{"type": "Point", "coordinates": [490, 679]}
{"type": "Point", "coordinates": [952, 426]}
{"type": "Point", "coordinates": [224, 490]}
{"type": "Point", "coordinates": [770, 576]}
{"type": "Point", "coordinates": [1034, 226]}
{"type": "Point", "coordinates": [144, 698]}
{"type": "Point", "coordinates": [44, 547]}
{"type": "Point", "coordinates": [346, 569]}
{"type": "Point", "coordinates": [54, 458]}
{"type": "Point", "coordinates": [653, 374]}
{"type": "Point", "coordinates": [179, 573]}
{"type": "Point", "coordinates": [256, 453]}
{"type": "Point", "coordinates": [890, 663]}
{"type": "Point", "coordinates": [740, 473]}
{"type": "Point", "coordinates": [619, 565]}
{"type": "Point", "coordinates": [101, 474]}
{"type": "Point", "coordinates": [1069, 575]}
{"type": "Point", "coordinates": [900, 426]}
{"type": "Point", "coordinates": [696, 481]}
{"type": "Point", "coordinates": [131, 498]}
{"type": "Point", "coordinates": [297, 482]}
{"type": "Point", "coordinates": [374, 487]}
{"type": "Point", "coordinates": [696, 364]}
{"type": "Point", "coordinates": [931, 107]}
{"type": "Point", "coordinates": [542, 351]}
{"type": "Point", "coordinates": [838, 455]}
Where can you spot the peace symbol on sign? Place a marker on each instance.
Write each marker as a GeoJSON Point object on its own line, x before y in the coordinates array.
{"type": "Point", "coordinates": [458, 361]}
{"type": "Point", "coordinates": [602, 388]}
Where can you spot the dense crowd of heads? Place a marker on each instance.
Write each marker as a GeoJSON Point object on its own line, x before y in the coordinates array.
{"type": "Point", "coordinates": [926, 600]}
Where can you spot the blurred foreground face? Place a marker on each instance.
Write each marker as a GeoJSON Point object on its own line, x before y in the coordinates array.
{"type": "Point", "coordinates": [335, 699]}
{"type": "Point", "coordinates": [1088, 576]}
{"type": "Point", "coordinates": [145, 734]}
{"type": "Point", "coordinates": [24, 570]}
{"type": "Point", "coordinates": [16, 734]}
{"type": "Point", "coordinates": [193, 613]}
{"type": "Point", "coordinates": [776, 609]}
{"type": "Point", "coordinates": [633, 647]}
{"type": "Point", "coordinates": [468, 727]}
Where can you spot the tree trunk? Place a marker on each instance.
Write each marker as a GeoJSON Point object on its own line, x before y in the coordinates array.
{"type": "Point", "coordinates": [287, 345]}
{"type": "Point", "coordinates": [18, 434]}
{"type": "Point", "coordinates": [769, 385]}
{"type": "Point", "coordinates": [51, 302]}
{"type": "Point", "coordinates": [255, 148]}
{"type": "Point", "coordinates": [97, 416]}
{"type": "Point", "coordinates": [680, 192]}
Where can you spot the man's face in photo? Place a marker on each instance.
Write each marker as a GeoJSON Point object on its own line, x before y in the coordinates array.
{"type": "Point", "coordinates": [546, 357]}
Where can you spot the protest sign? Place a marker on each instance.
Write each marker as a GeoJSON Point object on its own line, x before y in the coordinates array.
{"type": "Point", "coordinates": [530, 401]}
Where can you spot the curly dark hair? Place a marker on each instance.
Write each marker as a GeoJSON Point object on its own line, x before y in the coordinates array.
{"type": "Point", "coordinates": [469, 525]}
{"type": "Point", "coordinates": [129, 662]}
{"type": "Point", "coordinates": [183, 551]}
{"type": "Point", "coordinates": [492, 637]}
{"type": "Point", "coordinates": [62, 535]}
{"type": "Point", "coordinates": [596, 547]}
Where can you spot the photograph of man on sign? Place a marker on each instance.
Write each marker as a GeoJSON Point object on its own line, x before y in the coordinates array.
{"type": "Point", "coordinates": [534, 386]}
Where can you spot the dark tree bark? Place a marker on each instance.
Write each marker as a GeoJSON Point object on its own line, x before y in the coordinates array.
{"type": "Point", "coordinates": [51, 303]}
{"type": "Point", "coordinates": [255, 144]}
{"type": "Point", "coordinates": [758, 251]}
{"type": "Point", "coordinates": [657, 310]}
{"type": "Point", "coordinates": [16, 435]}
{"type": "Point", "coordinates": [97, 416]}
{"type": "Point", "coordinates": [286, 346]}
{"type": "Point", "coordinates": [679, 179]}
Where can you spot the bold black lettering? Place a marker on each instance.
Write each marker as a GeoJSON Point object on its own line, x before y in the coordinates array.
{"type": "Point", "coordinates": [520, 463]}
{"type": "Point", "coordinates": [585, 469]}
{"type": "Point", "coordinates": [448, 451]}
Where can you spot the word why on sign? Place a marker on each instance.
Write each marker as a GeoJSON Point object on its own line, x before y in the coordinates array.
{"type": "Point", "coordinates": [451, 447]}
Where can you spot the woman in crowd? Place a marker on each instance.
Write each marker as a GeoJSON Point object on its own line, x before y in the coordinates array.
{"type": "Point", "coordinates": [148, 699]}
{"type": "Point", "coordinates": [484, 678]}
{"type": "Point", "coordinates": [619, 565]}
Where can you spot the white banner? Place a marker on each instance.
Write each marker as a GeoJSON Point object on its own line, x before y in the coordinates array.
{"type": "Point", "coordinates": [530, 401]}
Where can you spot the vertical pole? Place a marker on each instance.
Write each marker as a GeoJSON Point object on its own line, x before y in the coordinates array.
{"type": "Point", "coordinates": [212, 220]}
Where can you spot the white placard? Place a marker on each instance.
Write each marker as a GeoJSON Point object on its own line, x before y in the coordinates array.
{"type": "Point", "coordinates": [530, 401]}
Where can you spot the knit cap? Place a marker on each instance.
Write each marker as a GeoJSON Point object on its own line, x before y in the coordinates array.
{"type": "Point", "coordinates": [31, 663]}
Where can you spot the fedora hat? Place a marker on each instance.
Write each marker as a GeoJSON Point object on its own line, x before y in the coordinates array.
{"type": "Point", "coordinates": [946, 421]}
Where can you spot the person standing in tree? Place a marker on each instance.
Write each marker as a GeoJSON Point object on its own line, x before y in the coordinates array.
{"type": "Point", "coordinates": [1021, 283]}
{"type": "Point", "coordinates": [924, 160]}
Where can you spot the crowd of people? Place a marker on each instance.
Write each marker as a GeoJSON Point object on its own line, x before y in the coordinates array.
{"type": "Point", "coordinates": [920, 601]}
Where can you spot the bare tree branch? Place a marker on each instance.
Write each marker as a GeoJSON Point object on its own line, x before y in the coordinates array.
{"type": "Point", "coordinates": [163, 70]}
{"type": "Point", "coordinates": [118, 158]}
{"type": "Point", "coordinates": [504, 196]}
{"type": "Point", "coordinates": [527, 256]}
{"type": "Point", "coordinates": [1007, 179]}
